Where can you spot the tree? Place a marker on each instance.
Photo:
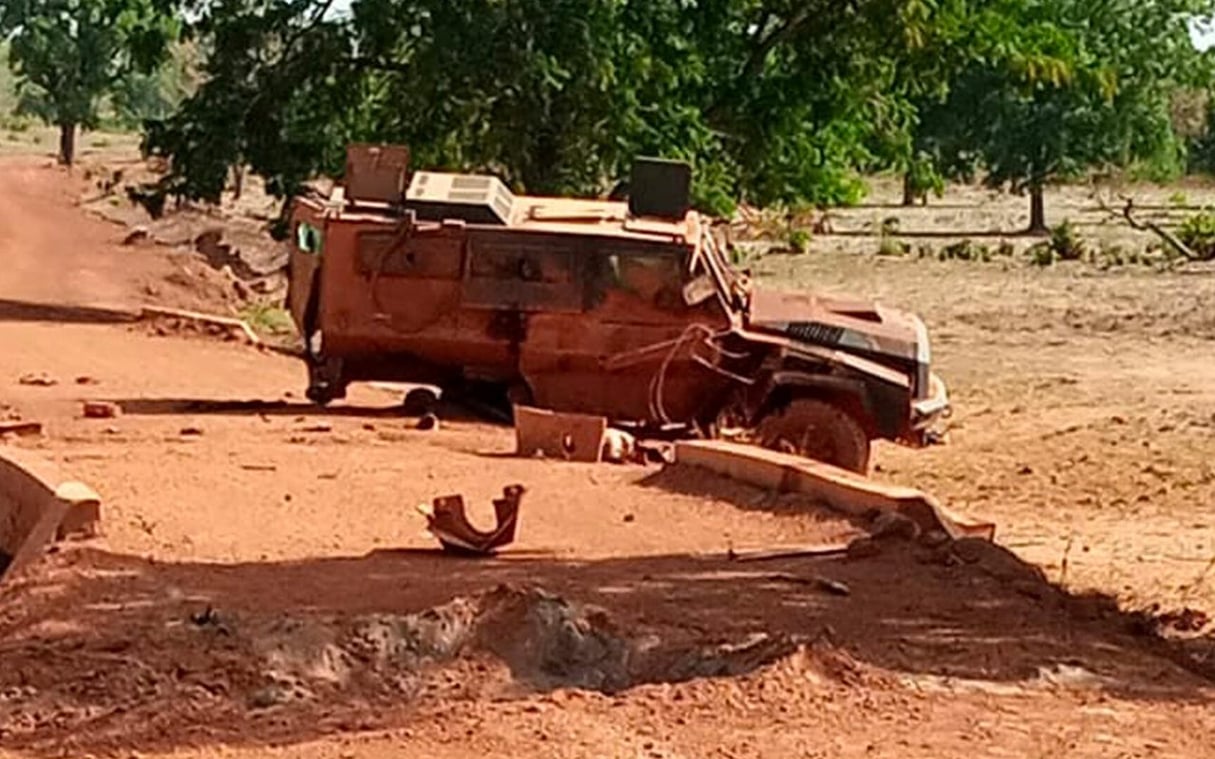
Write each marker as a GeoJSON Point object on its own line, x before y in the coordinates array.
{"type": "Point", "coordinates": [775, 101]}
{"type": "Point", "coordinates": [69, 54]}
{"type": "Point", "coordinates": [1083, 84]}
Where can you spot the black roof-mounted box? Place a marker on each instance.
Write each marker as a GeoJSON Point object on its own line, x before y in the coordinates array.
{"type": "Point", "coordinates": [660, 188]}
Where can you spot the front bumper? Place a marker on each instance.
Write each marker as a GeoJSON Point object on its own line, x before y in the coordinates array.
{"type": "Point", "coordinates": [929, 410]}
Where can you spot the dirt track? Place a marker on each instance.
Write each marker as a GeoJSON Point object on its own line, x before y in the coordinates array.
{"type": "Point", "coordinates": [1086, 404]}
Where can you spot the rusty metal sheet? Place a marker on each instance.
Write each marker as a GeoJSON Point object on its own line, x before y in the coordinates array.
{"type": "Point", "coordinates": [376, 173]}
{"type": "Point", "coordinates": [448, 522]}
{"type": "Point", "coordinates": [572, 437]}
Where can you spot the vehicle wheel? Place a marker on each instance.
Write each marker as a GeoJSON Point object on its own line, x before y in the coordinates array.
{"type": "Point", "coordinates": [420, 401]}
{"type": "Point", "coordinates": [817, 430]}
{"type": "Point", "coordinates": [325, 382]}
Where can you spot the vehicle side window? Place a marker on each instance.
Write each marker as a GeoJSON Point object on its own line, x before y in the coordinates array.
{"type": "Point", "coordinates": [307, 238]}
{"type": "Point", "coordinates": [650, 277]}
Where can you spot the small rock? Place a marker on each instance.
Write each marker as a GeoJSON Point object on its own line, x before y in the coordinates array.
{"type": "Point", "coordinates": [629, 518]}
{"type": "Point", "coordinates": [40, 379]}
{"type": "Point", "coordinates": [834, 587]}
{"type": "Point", "coordinates": [101, 410]}
{"type": "Point", "coordinates": [891, 524]}
{"type": "Point", "coordinates": [136, 235]}
{"type": "Point", "coordinates": [864, 548]}
{"type": "Point", "coordinates": [85, 380]}
{"type": "Point", "coordinates": [934, 539]}
{"type": "Point", "coordinates": [1025, 470]}
{"type": "Point", "coordinates": [428, 422]}
{"type": "Point", "coordinates": [271, 695]}
{"type": "Point", "coordinates": [191, 432]}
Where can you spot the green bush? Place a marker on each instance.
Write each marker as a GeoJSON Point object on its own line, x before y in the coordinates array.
{"type": "Point", "coordinates": [966, 250]}
{"type": "Point", "coordinates": [798, 240]}
{"type": "Point", "coordinates": [1042, 254]}
{"type": "Point", "coordinates": [1066, 243]}
{"type": "Point", "coordinates": [891, 247]}
{"type": "Point", "coordinates": [1198, 233]}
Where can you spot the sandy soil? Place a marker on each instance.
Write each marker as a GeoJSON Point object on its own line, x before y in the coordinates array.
{"type": "Point", "coordinates": [265, 588]}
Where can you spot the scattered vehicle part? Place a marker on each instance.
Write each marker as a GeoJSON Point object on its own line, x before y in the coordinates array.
{"type": "Point", "coordinates": [100, 410]}
{"type": "Point", "coordinates": [37, 379]}
{"type": "Point", "coordinates": [428, 422]}
{"type": "Point", "coordinates": [571, 437]}
{"type": "Point", "coordinates": [840, 489]}
{"type": "Point", "coordinates": [626, 310]}
{"type": "Point", "coordinates": [790, 552]}
{"type": "Point", "coordinates": [21, 428]}
{"type": "Point", "coordinates": [826, 584]}
{"type": "Point", "coordinates": [448, 522]}
{"type": "Point", "coordinates": [620, 447]}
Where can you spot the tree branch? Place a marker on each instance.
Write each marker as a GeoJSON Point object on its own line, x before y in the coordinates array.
{"type": "Point", "coordinates": [1127, 213]}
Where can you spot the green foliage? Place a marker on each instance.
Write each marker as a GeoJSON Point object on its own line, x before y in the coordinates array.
{"type": "Point", "coordinates": [1198, 234]}
{"type": "Point", "coordinates": [771, 102]}
{"type": "Point", "coordinates": [1042, 254]}
{"type": "Point", "coordinates": [1064, 86]}
{"type": "Point", "coordinates": [965, 250]}
{"type": "Point", "coordinates": [140, 97]}
{"type": "Point", "coordinates": [1066, 243]}
{"type": "Point", "coordinates": [68, 54]}
{"type": "Point", "coordinates": [268, 319]}
{"type": "Point", "coordinates": [798, 240]}
{"type": "Point", "coordinates": [890, 247]}
{"type": "Point", "coordinates": [774, 103]}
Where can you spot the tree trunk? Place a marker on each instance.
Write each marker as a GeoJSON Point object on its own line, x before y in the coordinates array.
{"type": "Point", "coordinates": [67, 144]}
{"type": "Point", "coordinates": [908, 190]}
{"type": "Point", "coordinates": [1037, 210]}
{"type": "Point", "coordinates": [238, 181]}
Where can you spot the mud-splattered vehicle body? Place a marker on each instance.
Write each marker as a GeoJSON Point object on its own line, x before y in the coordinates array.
{"type": "Point", "coordinates": [626, 309]}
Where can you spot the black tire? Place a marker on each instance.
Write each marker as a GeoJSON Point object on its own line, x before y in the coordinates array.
{"type": "Point", "coordinates": [817, 430]}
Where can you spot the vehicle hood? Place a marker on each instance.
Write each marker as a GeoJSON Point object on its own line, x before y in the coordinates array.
{"type": "Point", "coordinates": [841, 322]}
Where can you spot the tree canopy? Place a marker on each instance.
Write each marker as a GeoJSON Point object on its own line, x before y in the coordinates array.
{"type": "Point", "coordinates": [773, 101]}
{"type": "Point", "coordinates": [1085, 84]}
{"type": "Point", "coordinates": [69, 54]}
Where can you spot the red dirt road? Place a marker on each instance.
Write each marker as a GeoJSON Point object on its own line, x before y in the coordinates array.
{"type": "Point", "coordinates": [264, 583]}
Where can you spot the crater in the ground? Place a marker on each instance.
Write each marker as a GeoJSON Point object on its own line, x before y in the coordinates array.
{"type": "Point", "coordinates": [545, 641]}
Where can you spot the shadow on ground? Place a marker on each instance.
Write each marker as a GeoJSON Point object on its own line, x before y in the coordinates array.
{"type": "Point", "coordinates": [212, 407]}
{"type": "Point", "coordinates": [27, 311]}
{"type": "Point", "coordinates": [104, 652]}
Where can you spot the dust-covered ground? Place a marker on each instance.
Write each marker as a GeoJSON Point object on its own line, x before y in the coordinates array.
{"type": "Point", "coordinates": [265, 587]}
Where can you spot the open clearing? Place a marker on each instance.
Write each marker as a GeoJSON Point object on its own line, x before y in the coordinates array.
{"type": "Point", "coordinates": [265, 587]}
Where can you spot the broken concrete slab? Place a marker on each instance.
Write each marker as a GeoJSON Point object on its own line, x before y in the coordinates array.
{"type": "Point", "coordinates": [841, 490]}
{"type": "Point", "coordinates": [100, 410]}
{"type": "Point", "coordinates": [38, 504]}
{"type": "Point", "coordinates": [19, 428]}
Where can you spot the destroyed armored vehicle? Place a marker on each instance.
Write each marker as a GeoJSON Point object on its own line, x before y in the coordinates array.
{"type": "Point", "coordinates": [627, 309]}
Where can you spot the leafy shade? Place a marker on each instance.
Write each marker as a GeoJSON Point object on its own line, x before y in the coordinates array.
{"type": "Point", "coordinates": [774, 102]}
{"type": "Point", "coordinates": [69, 54]}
